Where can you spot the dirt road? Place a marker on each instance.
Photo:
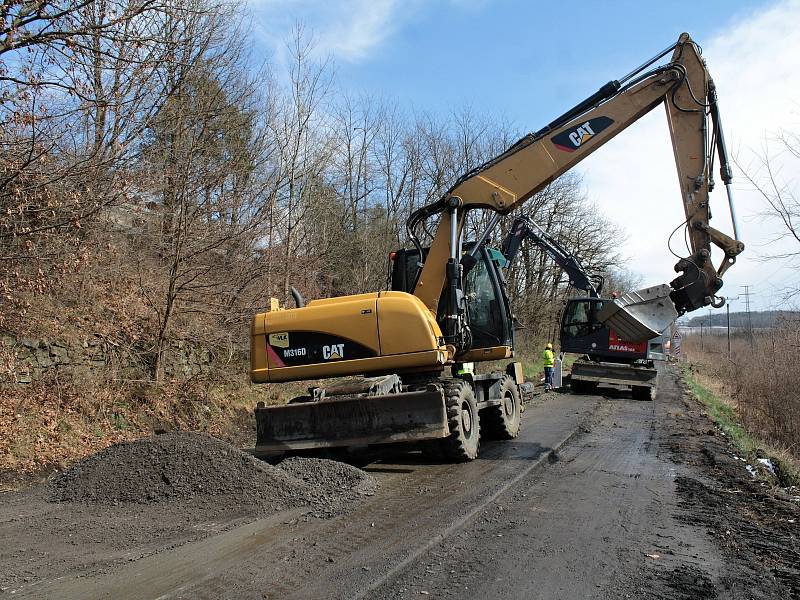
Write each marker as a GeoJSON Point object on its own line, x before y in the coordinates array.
{"type": "Point", "coordinates": [600, 497]}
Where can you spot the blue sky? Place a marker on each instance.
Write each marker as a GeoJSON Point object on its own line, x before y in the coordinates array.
{"type": "Point", "coordinates": [528, 62]}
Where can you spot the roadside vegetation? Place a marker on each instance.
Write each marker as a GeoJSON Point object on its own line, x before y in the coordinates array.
{"type": "Point", "coordinates": [753, 394]}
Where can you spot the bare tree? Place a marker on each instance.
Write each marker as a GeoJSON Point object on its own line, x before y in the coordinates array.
{"type": "Point", "coordinates": [62, 24]}
{"type": "Point", "coordinates": [303, 146]}
{"type": "Point", "coordinates": [204, 148]}
{"type": "Point", "coordinates": [79, 82]}
{"type": "Point", "coordinates": [765, 172]}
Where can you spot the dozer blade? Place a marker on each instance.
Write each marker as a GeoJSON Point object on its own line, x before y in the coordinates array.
{"type": "Point", "coordinates": [357, 421]}
{"type": "Point", "coordinates": [641, 315]}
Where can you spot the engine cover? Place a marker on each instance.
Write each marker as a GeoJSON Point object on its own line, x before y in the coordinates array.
{"type": "Point", "coordinates": [349, 335]}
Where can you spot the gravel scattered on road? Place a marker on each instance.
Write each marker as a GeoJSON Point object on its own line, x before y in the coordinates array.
{"type": "Point", "coordinates": [139, 498]}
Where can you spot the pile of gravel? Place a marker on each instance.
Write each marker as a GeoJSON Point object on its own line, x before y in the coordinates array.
{"type": "Point", "coordinates": [332, 484]}
{"type": "Point", "coordinates": [198, 467]}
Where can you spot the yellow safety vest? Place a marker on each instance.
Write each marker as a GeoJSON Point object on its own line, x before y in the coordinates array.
{"type": "Point", "coordinates": [549, 359]}
{"type": "Point", "coordinates": [466, 369]}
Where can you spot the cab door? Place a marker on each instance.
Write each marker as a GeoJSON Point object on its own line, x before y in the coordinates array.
{"type": "Point", "coordinates": [582, 332]}
{"type": "Point", "coordinates": [488, 308]}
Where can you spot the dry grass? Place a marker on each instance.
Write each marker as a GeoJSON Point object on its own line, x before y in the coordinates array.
{"type": "Point", "coordinates": [49, 424]}
{"type": "Point", "coordinates": [722, 411]}
{"type": "Point", "coordinates": [761, 378]}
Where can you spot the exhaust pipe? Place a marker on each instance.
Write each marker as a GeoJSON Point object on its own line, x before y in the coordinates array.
{"type": "Point", "coordinates": [299, 301]}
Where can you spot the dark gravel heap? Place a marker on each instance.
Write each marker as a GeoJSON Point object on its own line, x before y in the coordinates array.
{"type": "Point", "coordinates": [198, 467]}
{"type": "Point", "coordinates": [331, 483]}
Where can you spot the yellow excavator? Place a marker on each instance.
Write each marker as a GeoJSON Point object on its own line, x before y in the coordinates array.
{"type": "Point", "coordinates": [401, 353]}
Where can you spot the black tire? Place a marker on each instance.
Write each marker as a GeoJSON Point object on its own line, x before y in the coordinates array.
{"type": "Point", "coordinates": [583, 387]}
{"type": "Point", "coordinates": [642, 392]}
{"type": "Point", "coordinates": [502, 422]}
{"type": "Point", "coordinates": [463, 420]}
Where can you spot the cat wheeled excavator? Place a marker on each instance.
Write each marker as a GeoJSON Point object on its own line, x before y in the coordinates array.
{"type": "Point", "coordinates": [402, 349]}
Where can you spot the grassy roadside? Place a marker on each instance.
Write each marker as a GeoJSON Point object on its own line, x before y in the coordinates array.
{"type": "Point", "coordinates": [723, 412]}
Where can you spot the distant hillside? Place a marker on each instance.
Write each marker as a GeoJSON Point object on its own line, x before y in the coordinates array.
{"type": "Point", "coordinates": [759, 319]}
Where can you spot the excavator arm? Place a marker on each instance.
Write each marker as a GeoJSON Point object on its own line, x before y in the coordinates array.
{"type": "Point", "coordinates": [526, 228]}
{"type": "Point", "coordinates": [683, 86]}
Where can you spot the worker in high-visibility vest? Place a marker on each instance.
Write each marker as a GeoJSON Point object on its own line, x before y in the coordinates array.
{"type": "Point", "coordinates": [549, 361]}
{"type": "Point", "coordinates": [464, 369]}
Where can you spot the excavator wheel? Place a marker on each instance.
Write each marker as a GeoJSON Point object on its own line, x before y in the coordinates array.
{"type": "Point", "coordinates": [502, 422]}
{"type": "Point", "coordinates": [642, 392]}
{"type": "Point", "coordinates": [463, 420]}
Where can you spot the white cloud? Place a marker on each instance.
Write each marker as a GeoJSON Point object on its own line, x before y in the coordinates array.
{"type": "Point", "coordinates": [755, 63]}
{"type": "Point", "coordinates": [349, 30]}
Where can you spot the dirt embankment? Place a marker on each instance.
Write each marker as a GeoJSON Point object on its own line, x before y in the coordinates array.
{"type": "Point", "coordinates": [137, 498]}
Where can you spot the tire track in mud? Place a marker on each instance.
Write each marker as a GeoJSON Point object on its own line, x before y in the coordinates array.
{"type": "Point", "coordinates": [574, 529]}
{"type": "Point", "coordinates": [756, 527]}
{"type": "Point", "coordinates": [462, 521]}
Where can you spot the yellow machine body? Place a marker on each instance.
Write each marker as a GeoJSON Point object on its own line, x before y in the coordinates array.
{"type": "Point", "coordinates": [381, 332]}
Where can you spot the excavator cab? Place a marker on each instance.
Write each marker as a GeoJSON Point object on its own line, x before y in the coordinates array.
{"type": "Point", "coordinates": [579, 320]}
{"type": "Point", "coordinates": [488, 308]}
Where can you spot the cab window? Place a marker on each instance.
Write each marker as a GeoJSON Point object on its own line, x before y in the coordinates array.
{"type": "Point", "coordinates": [576, 319]}
{"type": "Point", "coordinates": [485, 311]}
{"type": "Point", "coordinates": [594, 320]}
{"type": "Point", "coordinates": [580, 318]}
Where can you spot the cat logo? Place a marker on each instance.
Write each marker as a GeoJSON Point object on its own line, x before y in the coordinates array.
{"type": "Point", "coordinates": [582, 134]}
{"type": "Point", "coordinates": [572, 139]}
{"type": "Point", "coordinates": [333, 352]}
{"type": "Point", "coordinates": [279, 340]}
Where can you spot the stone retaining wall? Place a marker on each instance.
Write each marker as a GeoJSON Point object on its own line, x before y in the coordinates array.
{"type": "Point", "coordinates": [35, 359]}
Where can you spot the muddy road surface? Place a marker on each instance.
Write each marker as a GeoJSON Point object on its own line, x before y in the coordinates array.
{"type": "Point", "coordinates": [600, 497]}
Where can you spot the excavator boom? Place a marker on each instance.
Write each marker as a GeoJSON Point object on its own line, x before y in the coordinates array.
{"type": "Point", "coordinates": [684, 87]}
{"type": "Point", "coordinates": [526, 228]}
